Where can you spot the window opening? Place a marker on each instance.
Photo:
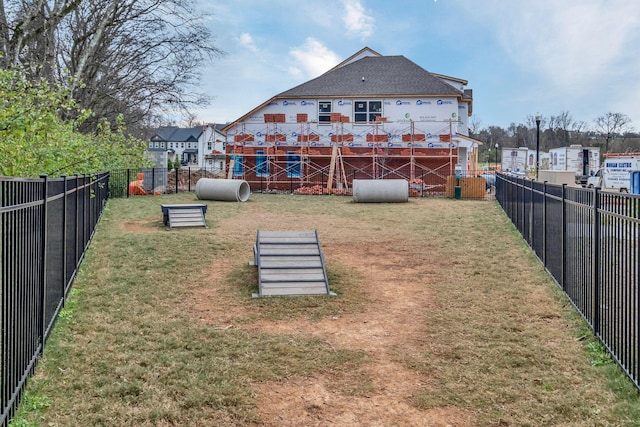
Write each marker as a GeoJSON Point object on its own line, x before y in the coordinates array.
{"type": "Point", "coordinates": [367, 111]}
{"type": "Point", "coordinates": [324, 112]}
{"type": "Point", "coordinates": [293, 165]}
{"type": "Point", "coordinates": [262, 164]}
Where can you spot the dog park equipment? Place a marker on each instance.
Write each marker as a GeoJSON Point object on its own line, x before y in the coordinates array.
{"type": "Point", "coordinates": [290, 263]}
{"type": "Point", "coordinates": [184, 215]}
{"type": "Point", "coordinates": [228, 190]}
{"type": "Point", "coordinates": [380, 190]}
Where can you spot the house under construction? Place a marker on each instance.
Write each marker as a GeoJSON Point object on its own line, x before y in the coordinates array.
{"type": "Point", "coordinates": [370, 117]}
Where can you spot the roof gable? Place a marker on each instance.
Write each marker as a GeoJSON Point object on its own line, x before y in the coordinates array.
{"type": "Point", "coordinates": [374, 76]}
{"type": "Point", "coordinates": [364, 52]}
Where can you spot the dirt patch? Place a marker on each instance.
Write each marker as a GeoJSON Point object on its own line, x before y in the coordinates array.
{"type": "Point", "coordinates": [391, 327]}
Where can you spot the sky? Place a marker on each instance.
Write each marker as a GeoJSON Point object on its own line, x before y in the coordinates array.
{"type": "Point", "coordinates": [520, 57]}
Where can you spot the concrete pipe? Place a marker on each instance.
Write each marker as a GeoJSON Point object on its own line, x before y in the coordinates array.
{"type": "Point", "coordinates": [380, 191]}
{"type": "Point", "coordinates": [228, 190]}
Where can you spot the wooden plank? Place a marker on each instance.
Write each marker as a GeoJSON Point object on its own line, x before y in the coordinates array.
{"type": "Point", "coordinates": [278, 263]}
{"type": "Point", "coordinates": [270, 233]}
{"type": "Point", "coordinates": [288, 251]}
{"type": "Point", "coordinates": [332, 166]}
{"type": "Point", "coordinates": [288, 246]}
{"type": "Point", "coordinates": [294, 292]}
{"type": "Point", "coordinates": [186, 218]}
{"type": "Point", "coordinates": [295, 284]}
{"type": "Point", "coordinates": [276, 276]}
{"type": "Point", "coordinates": [283, 240]}
{"type": "Point", "coordinates": [297, 287]}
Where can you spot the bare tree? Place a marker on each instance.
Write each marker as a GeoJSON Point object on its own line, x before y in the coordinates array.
{"type": "Point", "coordinates": [474, 126]}
{"type": "Point", "coordinates": [610, 125]}
{"type": "Point", "coordinates": [140, 58]}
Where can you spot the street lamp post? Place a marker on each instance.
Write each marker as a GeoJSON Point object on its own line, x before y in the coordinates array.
{"type": "Point", "coordinates": [538, 118]}
{"type": "Point", "coordinates": [496, 168]}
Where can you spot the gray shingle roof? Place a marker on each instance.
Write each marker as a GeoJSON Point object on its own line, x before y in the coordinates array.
{"type": "Point", "coordinates": [383, 75]}
{"type": "Point", "coordinates": [176, 134]}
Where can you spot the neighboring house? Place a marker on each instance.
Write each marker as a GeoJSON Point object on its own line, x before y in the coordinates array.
{"type": "Point", "coordinates": [369, 117]}
{"type": "Point", "coordinates": [198, 146]}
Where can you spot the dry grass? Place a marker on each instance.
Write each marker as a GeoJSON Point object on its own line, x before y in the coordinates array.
{"type": "Point", "coordinates": [441, 311]}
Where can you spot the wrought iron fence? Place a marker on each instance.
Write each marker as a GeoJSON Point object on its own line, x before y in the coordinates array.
{"type": "Point", "coordinates": [471, 184]}
{"type": "Point", "coordinates": [588, 241]}
{"type": "Point", "coordinates": [45, 225]}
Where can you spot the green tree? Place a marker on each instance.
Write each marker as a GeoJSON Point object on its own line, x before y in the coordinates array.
{"type": "Point", "coordinates": [34, 139]}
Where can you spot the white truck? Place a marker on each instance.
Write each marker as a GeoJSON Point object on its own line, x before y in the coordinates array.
{"type": "Point", "coordinates": [584, 161]}
{"type": "Point", "coordinates": [616, 172]}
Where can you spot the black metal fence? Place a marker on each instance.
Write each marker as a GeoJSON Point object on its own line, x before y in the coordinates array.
{"type": "Point", "coordinates": [45, 225]}
{"type": "Point", "coordinates": [146, 181]}
{"type": "Point", "coordinates": [588, 241]}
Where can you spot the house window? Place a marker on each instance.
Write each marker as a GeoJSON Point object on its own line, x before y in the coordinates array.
{"type": "Point", "coordinates": [209, 145]}
{"type": "Point", "coordinates": [182, 145]}
{"type": "Point", "coordinates": [293, 165]}
{"type": "Point", "coordinates": [324, 112]}
{"type": "Point", "coordinates": [262, 164]}
{"type": "Point", "coordinates": [238, 167]}
{"type": "Point", "coordinates": [367, 111]}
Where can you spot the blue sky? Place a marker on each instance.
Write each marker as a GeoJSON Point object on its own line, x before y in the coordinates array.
{"type": "Point", "coordinates": [520, 57]}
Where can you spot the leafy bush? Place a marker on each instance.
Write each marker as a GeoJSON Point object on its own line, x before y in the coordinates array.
{"type": "Point", "coordinates": [36, 139]}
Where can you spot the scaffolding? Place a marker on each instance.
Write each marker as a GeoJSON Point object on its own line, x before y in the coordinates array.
{"type": "Point", "coordinates": [271, 160]}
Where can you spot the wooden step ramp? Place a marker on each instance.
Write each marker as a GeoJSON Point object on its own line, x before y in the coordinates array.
{"type": "Point", "coordinates": [290, 263]}
{"type": "Point", "coordinates": [186, 218]}
{"type": "Point", "coordinates": [184, 215]}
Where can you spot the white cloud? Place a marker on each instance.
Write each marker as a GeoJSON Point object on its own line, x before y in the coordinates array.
{"type": "Point", "coordinates": [246, 40]}
{"type": "Point", "coordinates": [356, 19]}
{"type": "Point", "coordinates": [312, 59]}
{"type": "Point", "coordinates": [572, 43]}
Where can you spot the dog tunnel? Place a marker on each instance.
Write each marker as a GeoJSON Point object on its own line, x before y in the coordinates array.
{"type": "Point", "coordinates": [380, 190]}
{"type": "Point", "coordinates": [228, 190]}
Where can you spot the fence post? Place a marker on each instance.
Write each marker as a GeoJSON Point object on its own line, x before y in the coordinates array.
{"type": "Point", "coordinates": [189, 179]}
{"type": "Point", "coordinates": [595, 262]}
{"type": "Point", "coordinates": [322, 181]}
{"type": "Point", "coordinates": [544, 224]}
{"type": "Point", "coordinates": [563, 237]}
{"type": "Point", "coordinates": [43, 266]}
{"type": "Point", "coordinates": [64, 240]}
{"type": "Point", "coordinates": [177, 178]}
{"type": "Point", "coordinates": [126, 184]}
{"type": "Point", "coordinates": [531, 218]}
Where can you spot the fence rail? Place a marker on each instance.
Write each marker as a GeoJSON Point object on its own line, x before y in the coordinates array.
{"type": "Point", "coordinates": [426, 183]}
{"type": "Point", "coordinates": [588, 240]}
{"type": "Point", "coordinates": [45, 226]}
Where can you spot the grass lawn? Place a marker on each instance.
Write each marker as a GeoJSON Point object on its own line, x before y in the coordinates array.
{"type": "Point", "coordinates": [443, 317]}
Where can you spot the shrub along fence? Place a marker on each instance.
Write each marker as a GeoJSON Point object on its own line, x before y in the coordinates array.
{"type": "Point", "coordinates": [587, 240]}
{"type": "Point", "coordinates": [45, 225]}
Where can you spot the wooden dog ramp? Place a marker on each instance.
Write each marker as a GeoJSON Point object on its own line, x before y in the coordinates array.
{"type": "Point", "coordinates": [290, 263]}
{"type": "Point", "coordinates": [184, 215]}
